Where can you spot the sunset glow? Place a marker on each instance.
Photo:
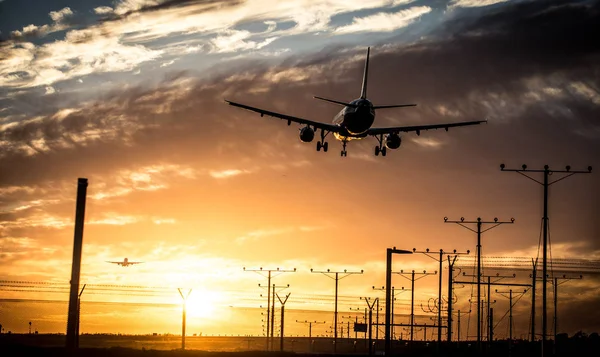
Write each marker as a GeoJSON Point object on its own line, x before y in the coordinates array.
{"type": "Point", "coordinates": [130, 95]}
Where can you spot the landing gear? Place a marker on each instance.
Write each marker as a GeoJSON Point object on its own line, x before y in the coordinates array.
{"type": "Point", "coordinates": [380, 148]}
{"type": "Point", "coordinates": [344, 152]}
{"type": "Point", "coordinates": [322, 144]}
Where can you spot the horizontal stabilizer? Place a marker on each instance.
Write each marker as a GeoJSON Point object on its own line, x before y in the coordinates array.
{"type": "Point", "coordinates": [336, 102]}
{"type": "Point", "coordinates": [393, 106]}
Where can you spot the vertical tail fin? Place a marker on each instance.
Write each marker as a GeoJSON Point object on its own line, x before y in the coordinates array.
{"type": "Point", "coordinates": [363, 93]}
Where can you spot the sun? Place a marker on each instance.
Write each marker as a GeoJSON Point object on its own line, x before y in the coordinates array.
{"type": "Point", "coordinates": [202, 303]}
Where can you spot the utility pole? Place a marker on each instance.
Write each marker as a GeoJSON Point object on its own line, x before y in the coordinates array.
{"type": "Point", "coordinates": [489, 284]}
{"type": "Point", "coordinates": [282, 302]}
{"type": "Point", "coordinates": [393, 296]}
{"type": "Point", "coordinates": [439, 305]}
{"type": "Point", "coordinates": [78, 316]}
{"type": "Point", "coordinates": [337, 278]}
{"type": "Point", "coordinates": [479, 223]}
{"type": "Point", "coordinates": [371, 306]}
{"type": "Point", "coordinates": [310, 323]}
{"type": "Point", "coordinates": [277, 271]}
{"type": "Point", "coordinates": [451, 294]}
{"type": "Point", "coordinates": [71, 340]}
{"type": "Point", "coordinates": [412, 298]}
{"type": "Point", "coordinates": [533, 279]}
{"type": "Point", "coordinates": [388, 285]}
{"type": "Point", "coordinates": [545, 183]}
{"type": "Point", "coordinates": [273, 310]}
{"type": "Point", "coordinates": [184, 297]}
{"type": "Point", "coordinates": [510, 315]}
{"type": "Point", "coordinates": [556, 284]}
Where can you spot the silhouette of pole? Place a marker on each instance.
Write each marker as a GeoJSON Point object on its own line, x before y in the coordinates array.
{"type": "Point", "coordinates": [479, 223]}
{"type": "Point", "coordinates": [547, 172]}
{"type": "Point", "coordinates": [337, 278]}
{"type": "Point", "coordinates": [388, 285]}
{"type": "Point", "coordinates": [412, 298]}
{"type": "Point", "coordinates": [450, 294]}
{"type": "Point", "coordinates": [310, 323]}
{"type": "Point", "coordinates": [78, 315]}
{"type": "Point", "coordinates": [534, 278]}
{"type": "Point", "coordinates": [71, 340]}
{"type": "Point", "coordinates": [183, 316]}
{"type": "Point", "coordinates": [510, 315]}
{"type": "Point", "coordinates": [371, 306]}
{"type": "Point", "coordinates": [439, 305]}
{"type": "Point", "coordinates": [282, 302]}
{"type": "Point", "coordinates": [269, 276]}
{"type": "Point", "coordinates": [393, 297]}
{"type": "Point", "coordinates": [556, 284]}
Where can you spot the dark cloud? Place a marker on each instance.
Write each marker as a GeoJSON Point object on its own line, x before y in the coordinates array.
{"type": "Point", "coordinates": [208, 5]}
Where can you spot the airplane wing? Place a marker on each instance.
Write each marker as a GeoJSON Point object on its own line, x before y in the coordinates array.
{"type": "Point", "coordinates": [289, 118]}
{"type": "Point", "coordinates": [418, 128]}
{"type": "Point", "coordinates": [119, 263]}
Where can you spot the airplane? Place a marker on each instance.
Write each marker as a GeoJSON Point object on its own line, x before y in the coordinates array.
{"type": "Point", "coordinates": [355, 121]}
{"type": "Point", "coordinates": [124, 263]}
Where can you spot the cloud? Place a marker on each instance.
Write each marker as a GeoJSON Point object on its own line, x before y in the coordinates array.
{"type": "Point", "coordinates": [384, 22]}
{"type": "Point", "coordinates": [59, 19]}
{"type": "Point", "coordinates": [431, 143]}
{"type": "Point", "coordinates": [81, 53]}
{"type": "Point", "coordinates": [233, 40]}
{"type": "Point", "coordinates": [227, 173]}
{"type": "Point", "coordinates": [474, 3]}
{"type": "Point", "coordinates": [103, 10]}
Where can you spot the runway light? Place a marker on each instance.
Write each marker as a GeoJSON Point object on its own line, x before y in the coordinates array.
{"type": "Point", "coordinates": [589, 168]}
{"type": "Point", "coordinates": [462, 219]}
{"type": "Point", "coordinates": [524, 167]}
{"type": "Point", "coordinates": [502, 166]}
{"type": "Point", "coordinates": [512, 219]}
{"type": "Point", "coordinates": [546, 167]}
{"type": "Point", "coordinates": [427, 250]}
{"type": "Point", "coordinates": [568, 168]}
{"type": "Point", "coordinates": [454, 250]}
{"type": "Point", "coordinates": [445, 219]}
{"type": "Point", "coordinates": [468, 251]}
{"type": "Point", "coordinates": [495, 219]}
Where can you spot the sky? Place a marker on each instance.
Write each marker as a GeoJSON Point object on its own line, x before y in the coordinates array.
{"type": "Point", "coordinates": [130, 95]}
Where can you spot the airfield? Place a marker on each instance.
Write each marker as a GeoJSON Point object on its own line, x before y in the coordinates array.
{"type": "Point", "coordinates": [251, 346]}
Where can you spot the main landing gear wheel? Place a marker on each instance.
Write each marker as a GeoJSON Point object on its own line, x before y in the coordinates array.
{"type": "Point", "coordinates": [323, 146]}
{"type": "Point", "coordinates": [382, 150]}
{"type": "Point", "coordinates": [344, 153]}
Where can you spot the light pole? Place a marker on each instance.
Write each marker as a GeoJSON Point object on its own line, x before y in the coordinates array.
{"type": "Point", "coordinates": [337, 278]}
{"type": "Point", "coordinates": [479, 223]}
{"type": "Point", "coordinates": [388, 285]}
{"type": "Point", "coordinates": [547, 172]}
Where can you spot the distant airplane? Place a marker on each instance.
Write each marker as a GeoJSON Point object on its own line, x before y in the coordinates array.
{"type": "Point", "coordinates": [125, 262]}
{"type": "Point", "coordinates": [354, 121]}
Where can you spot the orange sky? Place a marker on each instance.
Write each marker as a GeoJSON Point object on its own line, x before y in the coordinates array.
{"type": "Point", "coordinates": [197, 189]}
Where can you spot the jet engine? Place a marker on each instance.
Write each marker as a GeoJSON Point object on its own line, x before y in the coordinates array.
{"type": "Point", "coordinates": [393, 141]}
{"type": "Point", "coordinates": [307, 134]}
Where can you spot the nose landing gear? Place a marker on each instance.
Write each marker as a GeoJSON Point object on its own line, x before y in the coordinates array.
{"type": "Point", "coordinates": [344, 152]}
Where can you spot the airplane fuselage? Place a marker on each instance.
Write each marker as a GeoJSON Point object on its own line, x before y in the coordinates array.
{"type": "Point", "coordinates": [355, 119]}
